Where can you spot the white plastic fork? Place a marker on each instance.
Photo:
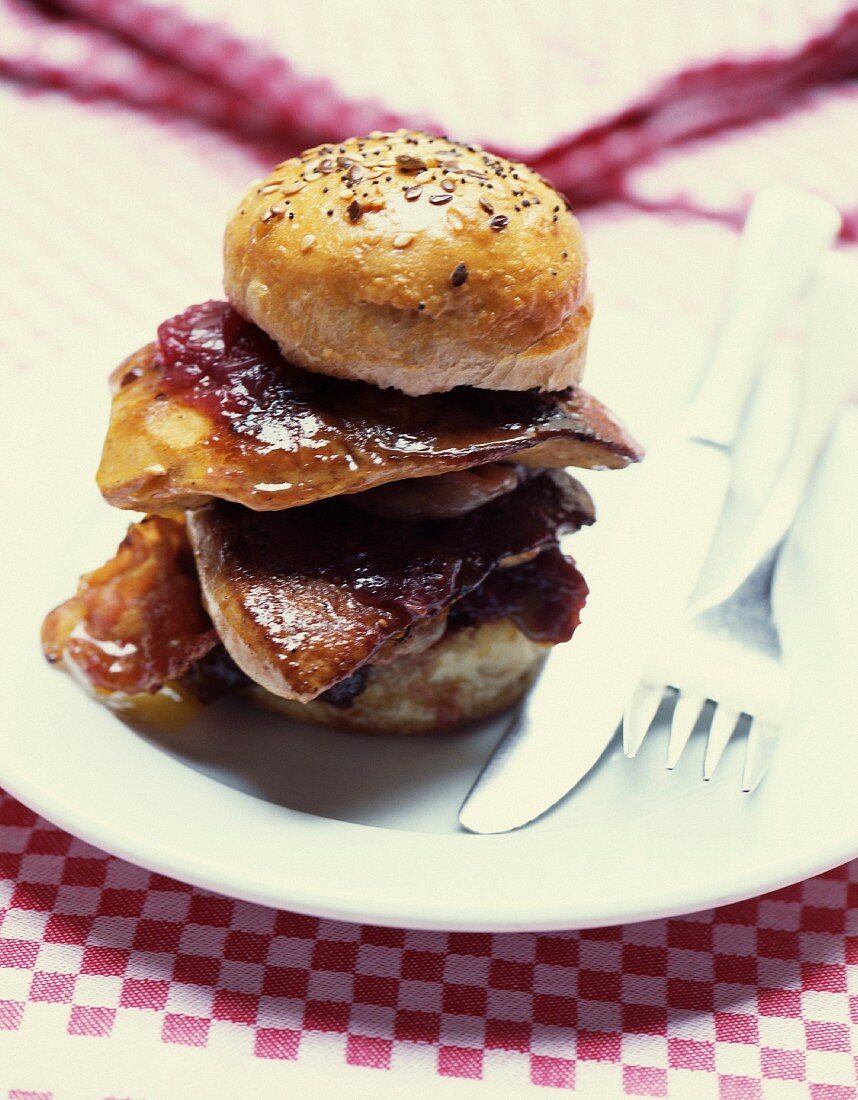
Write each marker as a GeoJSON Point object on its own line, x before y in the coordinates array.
{"type": "Point", "coordinates": [726, 649]}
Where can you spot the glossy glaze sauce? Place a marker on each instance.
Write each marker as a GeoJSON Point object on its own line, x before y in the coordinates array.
{"type": "Point", "coordinates": [406, 571]}
{"type": "Point", "coordinates": [320, 591]}
{"type": "Point", "coordinates": [213, 410]}
{"type": "Point", "coordinates": [543, 597]}
{"type": "Point", "coordinates": [211, 358]}
{"type": "Point", "coordinates": [138, 620]}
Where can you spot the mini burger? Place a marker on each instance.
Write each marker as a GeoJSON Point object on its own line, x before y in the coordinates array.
{"type": "Point", "coordinates": [353, 469]}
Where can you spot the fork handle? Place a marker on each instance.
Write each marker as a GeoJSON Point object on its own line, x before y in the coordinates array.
{"type": "Point", "coordinates": [786, 233]}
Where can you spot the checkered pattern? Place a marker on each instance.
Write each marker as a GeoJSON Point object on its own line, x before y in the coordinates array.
{"type": "Point", "coordinates": [617, 83]}
{"type": "Point", "coordinates": [758, 999]}
{"type": "Point", "coordinates": [809, 146]}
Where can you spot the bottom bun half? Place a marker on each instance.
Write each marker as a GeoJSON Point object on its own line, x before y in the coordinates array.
{"type": "Point", "coordinates": [470, 673]}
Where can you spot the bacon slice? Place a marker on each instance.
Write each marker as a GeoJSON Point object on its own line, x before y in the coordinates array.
{"type": "Point", "coordinates": [543, 597]}
{"type": "Point", "coordinates": [303, 598]}
{"type": "Point", "coordinates": [213, 411]}
{"type": "Point", "coordinates": [139, 620]}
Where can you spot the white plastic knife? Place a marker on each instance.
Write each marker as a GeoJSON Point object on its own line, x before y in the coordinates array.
{"type": "Point", "coordinates": [651, 549]}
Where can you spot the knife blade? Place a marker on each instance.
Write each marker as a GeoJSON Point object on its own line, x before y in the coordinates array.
{"type": "Point", "coordinates": [563, 729]}
{"type": "Point", "coordinates": [648, 554]}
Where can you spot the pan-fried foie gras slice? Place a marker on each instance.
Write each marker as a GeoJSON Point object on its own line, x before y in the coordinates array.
{"type": "Point", "coordinates": [138, 621]}
{"type": "Point", "coordinates": [543, 597]}
{"type": "Point", "coordinates": [303, 598]}
{"type": "Point", "coordinates": [441, 497]}
{"type": "Point", "coordinates": [213, 411]}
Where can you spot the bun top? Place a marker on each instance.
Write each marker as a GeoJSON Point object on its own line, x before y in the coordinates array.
{"type": "Point", "coordinates": [411, 261]}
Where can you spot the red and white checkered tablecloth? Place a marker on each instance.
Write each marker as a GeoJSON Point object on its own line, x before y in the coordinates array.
{"type": "Point", "coordinates": [115, 982]}
{"type": "Point", "coordinates": [585, 94]}
{"type": "Point", "coordinates": [118, 982]}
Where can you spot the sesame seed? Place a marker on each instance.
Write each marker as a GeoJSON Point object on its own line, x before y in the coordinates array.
{"type": "Point", "coordinates": [409, 163]}
{"type": "Point", "coordinates": [499, 222]}
{"type": "Point", "coordinates": [440, 200]}
{"type": "Point", "coordinates": [454, 220]}
{"type": "Point", "coordinates": [293, 188]}
{"type": "Point", "coordinates": [403, 240]}
{"type": "Point", "coordinates": [313, 176]}
{"type": "Point", "coordinates": [326, 166]}
{"type": "Point", "coordinates": [413, 193]}
{"type": "Point", "coordinates": [460, 275]}
{"type": "Point", "coordinates": [487, 206]}
{"type": "Point", "coordinates": [448, 185]}
{"type": "Point", "coordinates": [271, 187]}
{"type": "Point", "coordinates": [308, 242]}
{"type": "Point", "coordinates": [423, 177]}
{"type": "Point", "coordinates": [355, 174]}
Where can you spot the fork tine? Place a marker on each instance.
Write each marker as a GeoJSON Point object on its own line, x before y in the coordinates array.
{"type": "Point", "coordinates": [639, 714]}
{"type": "Point", "coordinates": [723, 725]}
{"type": "Point", "coordinates": [685, 715]}
{"type": "Point", "coordinates": [762, 739]}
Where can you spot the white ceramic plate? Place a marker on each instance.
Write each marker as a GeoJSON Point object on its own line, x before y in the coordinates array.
{"type": "Point", "coordinates": [365, 828]}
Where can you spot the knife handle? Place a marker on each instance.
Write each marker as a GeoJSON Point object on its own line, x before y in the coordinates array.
{"type": "Point", "coordinates": [786, 233]}
{"type": "Point", "coordinates": [762, 514]}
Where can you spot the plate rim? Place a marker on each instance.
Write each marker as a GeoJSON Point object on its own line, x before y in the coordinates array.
{"type": "Point", "coordinates": [147, 850]}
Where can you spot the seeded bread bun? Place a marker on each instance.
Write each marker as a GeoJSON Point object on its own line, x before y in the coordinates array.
{"type": "Point", "coordinates": [413, 262]}
{"type": "Point", "coordinates": [471, 673]}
